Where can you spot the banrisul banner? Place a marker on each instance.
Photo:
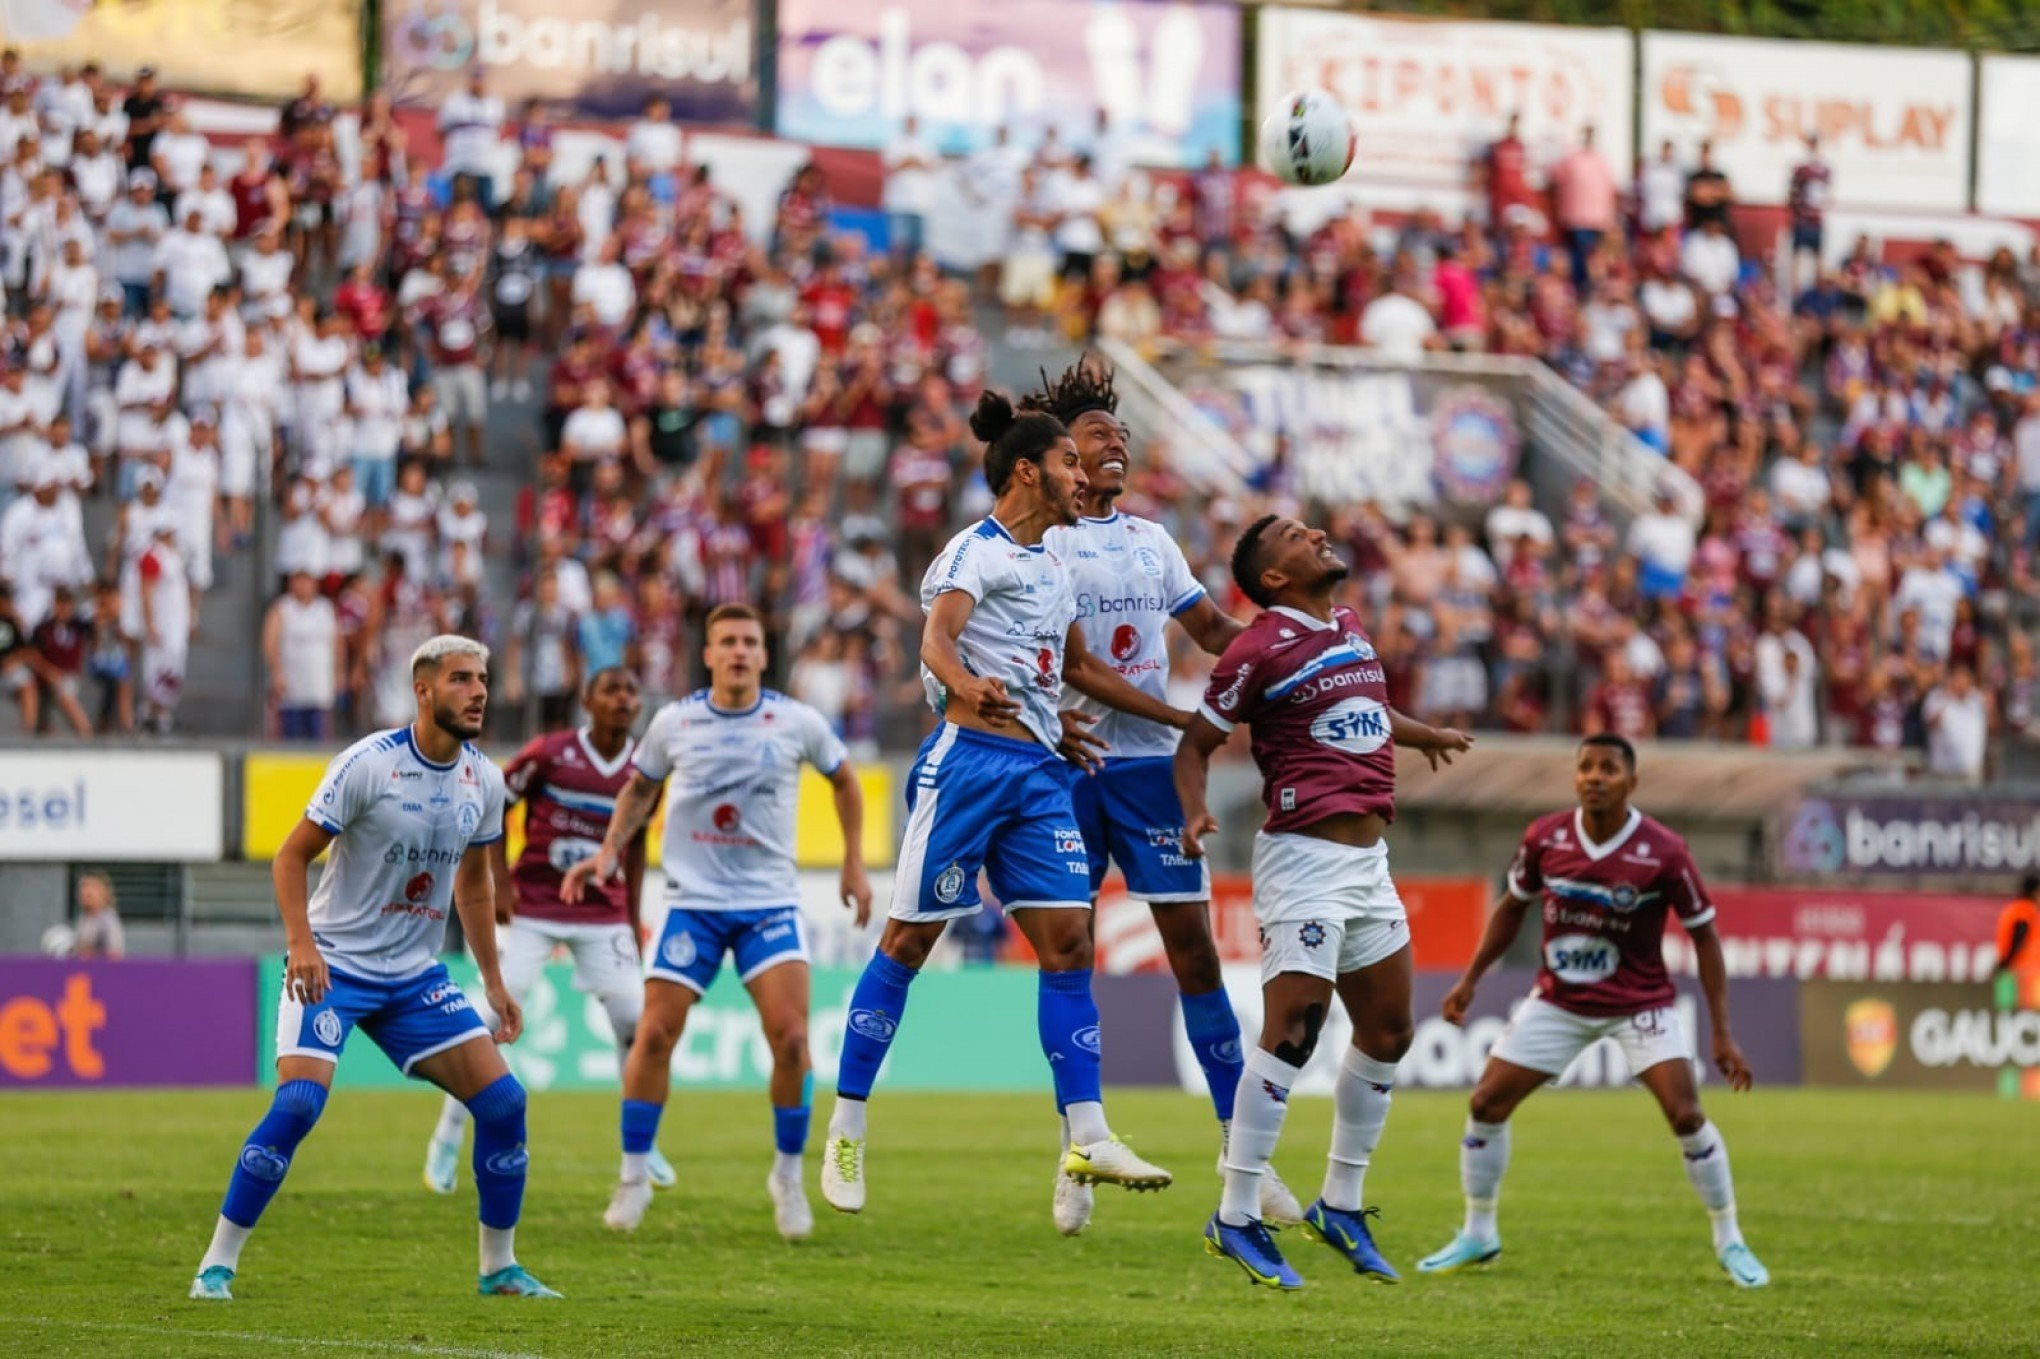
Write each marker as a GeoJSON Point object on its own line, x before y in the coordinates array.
{"type": "Point", "coordinates": [595, 58]}
{"type": "Point", "coordinates": [1167, 76]}
{"type": "Point", "coordinates": [971, 1029]}
{"type": "Point", "coordinates": [1907, 1035]}
{"type": "Point", "coordinates": [1910, 834]}
{"type": "Point", "coordinates": [134, 1023]}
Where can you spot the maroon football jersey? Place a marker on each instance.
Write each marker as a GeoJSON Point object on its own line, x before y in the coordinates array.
{"type": "Point", "coordinates": [1604, 910]}
{"type": "Point", "coordinates": [568, 795]}
{"type": "Point", "coordinates": [1317, 699]}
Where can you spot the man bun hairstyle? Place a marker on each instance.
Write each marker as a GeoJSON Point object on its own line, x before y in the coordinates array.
{"type": "Point", "coordinates": [1248, 561]}
{"type": "Point", "coordinates": [1084, 386]}
{"type": "Point", "coordinates": [1011, 437]}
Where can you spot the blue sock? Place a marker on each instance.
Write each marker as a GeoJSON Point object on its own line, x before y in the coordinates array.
{"type": "Point", "coordinates": [790, 1128]}
{"type": "Point", "coordinates": [875, 1009]}
{"type": "Point", "coordinates": [1068, 1020]}
{"type": "Point", "coordinates": [1215, 1038]}
{"type": "Point", "coordinates": [640, 1125]}
{"type": "Point", "coordinates": [499, 1160]}
{"type": "Point", "coordinates": [265, 1160]}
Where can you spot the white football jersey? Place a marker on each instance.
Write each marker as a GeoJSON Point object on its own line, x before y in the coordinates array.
{"type": "Point", "coordinates": [1130, 579]}
{"type": "Point", "coordinates": [400, 825]}
{"type": "Point", "coordinates": [1016, 632]}
{"type": "Point", "coordinates": [732, 790]}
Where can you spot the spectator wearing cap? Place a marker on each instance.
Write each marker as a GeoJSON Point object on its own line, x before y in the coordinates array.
{"type": "Point", "coordinates": [134, 227]}
{"type": "Point", "coordinates": [302, 653]}
{"type": "Point", "coordinates": [471, 123]}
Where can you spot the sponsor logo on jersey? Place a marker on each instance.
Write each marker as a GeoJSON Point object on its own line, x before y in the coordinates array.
{"type": "Point", "coordinates": [1045, 677]}
{"type": "Point", "coordinates": [678, 950]}
{"type": "Point", "coordinates": [949, 884]}
{"type": "Point", "coordinates": [414, 808]}
{"type": "Point", "coordinates": [326, 1028]}
{"type": "Point", "coordinates": [874, 1024]}
{"type": "Point", "coordinates": [567, 850]}
{"type": "Point", "coordinates": [418, 888]}
{"type": "Point", "coordinates": [1164, 837]}
{"type": "Point", "coordinates": [1125, 642]}
{"type": "Point", "coordinates": [727, 817]}
{"type": "Point", "coordinates": [1088, 1039]}
{"type": "Point", "coordinates": [1231, 694]}
{"type": "Point", "coordinates": [441, 992]}
{"type": "Point", "coordinates": [1068, 840]}
{"type": "Point", "coordinates": [1581, 959]}
{"type": "Point", "coordinates": [401, 853]}
{"type": "Point", "coordinates": [1870, 1032]}
{"type": "Point", "coordinates": [1358, 726]}
{"type": "Point", "coordinates": [264, 1163]}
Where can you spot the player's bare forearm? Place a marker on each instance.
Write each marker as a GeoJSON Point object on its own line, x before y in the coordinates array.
{"type": "Point", "coordinates": [1439, 744]}
{"type": "Point", "coordinates": [1192, 768]}
{"type": "Point", "coordinates": [849, 813]}
{"type": "Point", "coordinates": [939, 654]}
{"type": "Point", "coordinates": [1211, 627]}
{"type": "Point", "coordinates": [1713, 970]}
{"type": "Point", "coordinates": [290, 873]}
{"type": "Point", "coordinates": [474, 899]}
{"type": "Point", "coordinates": [1504, 922]}
{"type": "Point", "coordinates": [1091, 677]}
{"type": "Point", "coordinates": [506, 889]}
{"type": "Point", "coordinates": [633, 809]}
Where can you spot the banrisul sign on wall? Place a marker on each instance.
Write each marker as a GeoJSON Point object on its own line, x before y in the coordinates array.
{"type": "Point", "coordinates": [1910, 834]}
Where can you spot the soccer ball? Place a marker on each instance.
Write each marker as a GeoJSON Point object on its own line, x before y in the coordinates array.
{"type": "Point", "coordinates": [59, 941]}
{"type": "Point", "coordinates": [1308, 139]}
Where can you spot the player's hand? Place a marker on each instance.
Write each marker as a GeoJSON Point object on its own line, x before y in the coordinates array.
{"type": "Point", "coordinates": [1457, 1002]}
{"type": "Point", "coordinates": [304, 974]}
{"type": "Point", "coordinates": [989, 700]}
{"type": "Point", "coordinates": [855, 890]}
{"type": "Point", "coordinates": [509, 1014]}
{"type": "Point", "coordinates": [1194, 830]}
{"type": "Point", "coordinates": [1446, 742]}
{"type": "Point", "coordinates": [1729, 1060]}
{"type": "Point", "coordinates": [598, 867]}
{"type": "Point", "coordinates": [1078, 745]}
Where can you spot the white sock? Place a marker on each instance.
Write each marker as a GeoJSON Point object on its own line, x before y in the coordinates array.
{"type": "Point", "coordinates": [637, 1167]}
{"type": "Point", "coordinates": [499, 1250]}
{"type": "Point", "coordinates": [1360, 1103]}
{"type": "Point", "coordinates": [227, 1240]}
{"type": "Point", "coordinates": [786, 1164]}
{"type": "Point", "coordinates": [847, 1118]}
{"type": "Point", "coordinates": [1707, 1167]}
{"type": "Point", "coordinates": [1065, 1132]}
{"type": "Point", "coordinates": [1086, 1119]}
{"type": "Point", "coordinates": [1258, 1110]}
{"type": "Point", "coordinates": [1483, 1156]}
{"type": "Point", "coordinates": [453, 1117]}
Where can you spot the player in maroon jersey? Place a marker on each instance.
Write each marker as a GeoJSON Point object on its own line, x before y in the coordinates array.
{"type": "Point", "coordinates": [568, 782]}
{"type": "Point", "coordinates": [1605, 875]}
{"type": "Point", "coordinates": [1307, 680]}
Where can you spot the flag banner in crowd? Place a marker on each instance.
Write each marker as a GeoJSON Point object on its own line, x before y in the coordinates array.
{"type": "Point", "coordinates": [1908, 834]}
{"type": "Point", "coordinates": [2008, 135]}
{"type": "Point", "coordinates": [156, 806]}
{"type": "Point", "coordinates": [594, 58]}
{"type": "Point", "coordinates": [1848, 934]}
{"type": "Point", "coordinates": [1893, 121]}
{"type": "Point", "coordinates": [133, 1023]}
{"type": "Point", "coordinates": [1427, 98]}
{"type": "Point", "coordinates": [262, 48]}
{"type": "Point", "coordinates": [1166, 75]}
{"type": "Point", "coordinates": [1907, 1035]}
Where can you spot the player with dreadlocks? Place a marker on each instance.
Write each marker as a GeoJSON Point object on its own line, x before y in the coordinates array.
{"type": "Point", "coordinates": [1131, 580]}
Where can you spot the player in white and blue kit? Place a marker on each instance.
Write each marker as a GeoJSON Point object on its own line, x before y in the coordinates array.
{"type": "Point", "coordinates": [1131, 581]}
{"type": "Point", "coordinates": [408, 815]}
{"type": "Point", "coordinates": [989, 792]}
{"type": "Point", "coordinates": [730, 758]}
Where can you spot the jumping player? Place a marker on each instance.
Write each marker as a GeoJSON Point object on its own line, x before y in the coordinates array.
{"type": "Point", "coordinates": [988, 792]}
{"type": "Point", "coordinates": [569, 782]}
{"type": "Point", "coordinates": [1307, 680]}
{"type": "Point", "coordinates": [1606, 876]}
{"type": "Point", "coordinates": [733, 753]}
{"type": "Point", "coordinates": [410, 815]}
{"type": "Point", "coordinates": [1131, 580]}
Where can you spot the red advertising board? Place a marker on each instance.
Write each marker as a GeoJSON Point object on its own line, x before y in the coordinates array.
{"type": "Point", "coordinates": [1847, 934]}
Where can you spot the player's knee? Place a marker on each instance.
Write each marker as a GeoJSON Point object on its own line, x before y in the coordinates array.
{"type": "Point", "coordinates": [1686, 1118]}
{"type": "Point", "coordinates": [501, 1101]}
{"type": "Point", "coordinates": [906, 945]}
{"type": "Point", "coordinates": [1490, 1106]}
{"type": "Point", "coordinates": [658, 1033]}
{"type": "Point", "coordinates": [1295, 1035]}
{"type": "Point", "coordinates": [1070, 953]}
{"type": "Point", "coordinates": [1195, 963]}
{"type": "Point", "coordinates": [790, 1049]}
{"type": "Point", "coordinates": [302, 1102]}
{"type": "Point", "coordinates": [1388, 1040]}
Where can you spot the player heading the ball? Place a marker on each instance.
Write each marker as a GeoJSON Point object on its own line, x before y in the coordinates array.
{"type": "Point", "coordinates": [409, 816]}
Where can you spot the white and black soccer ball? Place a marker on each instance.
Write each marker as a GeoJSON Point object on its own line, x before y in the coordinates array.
{"type": "Point", "coordinates": [59, 941]}
{"type": "Point", "coordinates": [1308, 139]}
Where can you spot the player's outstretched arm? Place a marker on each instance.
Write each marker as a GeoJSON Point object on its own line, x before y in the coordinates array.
{"type": "Point", "coordinates": [633, 808]}
{"type": "Point", "coordinates": [1193, 774]}
{"type": "Point", "coordinates": [855, 885]}
{"type": "Point", "coordinates": [304, 974]}
{"type": "Point", "coordinates": [474, 898]}
{"type": "Point", "coordinates": [1439, 744]}
{"type": "Point", "coordinates": [1713, 969]}
{"type": "Point", "coordinates": [1503, 923]}
{"type": "Point", "coordinates": [1211, 627]}
{"type": "Point", "coordinates": [1091, 677]}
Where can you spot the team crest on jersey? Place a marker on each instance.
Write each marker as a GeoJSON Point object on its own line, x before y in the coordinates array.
{"type": "Point", "coordinates": [678, 950]}
{"type": "Point", "coordinates": [949, 884]}
{"type": "Point", "coordinates": [1311, 934]}
{"type": "Point", "coordinates": [326, 1028]}
{"type": "Point", "coordinates": [1622, 897]}
{"type": "Point", "coordinates": [468, 818]}
{"type": "Point", "coordinates": [1361, 647]}
{"type": "Point", "coordinates": [1149, 561]}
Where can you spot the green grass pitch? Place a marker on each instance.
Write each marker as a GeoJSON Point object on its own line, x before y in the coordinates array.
{"type": "Point", "coordinates": [1899, 1224]}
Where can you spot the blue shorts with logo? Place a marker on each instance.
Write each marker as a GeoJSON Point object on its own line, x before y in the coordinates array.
{"type": "Point", "coordinates": [692, 944]}
{"type": "Point", "coordinates": [409, 1018]}
{"type": "Point", "coordinates": [1130, 814]}
{"type": "Point", "coordinates": [988, 802]}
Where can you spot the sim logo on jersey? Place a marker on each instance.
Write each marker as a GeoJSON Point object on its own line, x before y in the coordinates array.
{"type": "Point", "coordinates": [1358, 726]}
{"type": "Point", "coordinates": [949, 884]}
{"type": "Point", "coordinates": [326, 1028]}
{"type": "Point", "coordinates": [1581, 959]}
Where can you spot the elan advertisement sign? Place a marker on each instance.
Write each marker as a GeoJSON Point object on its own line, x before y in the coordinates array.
{"type": "Point", "coordinates": [1167, 76]}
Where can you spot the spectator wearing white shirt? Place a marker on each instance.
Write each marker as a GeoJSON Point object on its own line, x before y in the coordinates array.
{"type": "Point", "coordinates": [471, 123]}
{"type": "Point", "coordinates": [1663, 542]}
{"type": "Point", "coordinates": [463, 535]}
{"type": "Point", "coordinates": [42, 547]}
{"type": "Point", "coordinates": [1957, 714]}
{"type": "Point", "coordinates": [97, 175]}
{"type": "Point", "coordinates": [653, 143]}
{"type": "Point", "coordinates": [301, 647]}
{"type": "Point", "coordinates": [1931, 588]}
{"type": "Point", "coordinates": [178, 155]}
{"type": "Point", "coordinates": [1801, 488]}
{"type": "Point", "coordinates": [134, 226]}
{"type": "Point", "coordinates": [190, 262]}
{"type": "Point", "coordinates": [2026, 466]}
{"type": "Point", "coordinates": [1397, 326]}
{"type": "Point", "coordinates": [378, 398]}
{"type": "Point", "coordinates": [210, 199]}
{"type": "Point", "coordinates": [344, 512]}
{"type": "Point", "coordinates": [301, 543]}
{"type": "Point", "coordinates": [1710, 259]}
{"type": "Point", "coordinates": [1517, 517]}
{"type": "Point", "coordinates": [1644, 404]}
{"type": "Point", "coordinates": [594, 433]}
{"type": "Point", "coordinates": [1076, 197]}
{"type": "Point", "coordinates": [266, 275]}
{"type": "Point", "coordinates": [605, 287]}
{"type": "Point", "coordinates": [1788, 676]}
{"type": "Point", "coordinates": [909, 196]}
{"type": "Point", "coordinates": [193, 493]}
{"type": "Point", "coordinates": [1661, 191]}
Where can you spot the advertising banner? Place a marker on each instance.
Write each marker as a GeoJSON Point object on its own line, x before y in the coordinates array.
{"type": "Point", "coordinates": [2008, 135]}
{"type": "Point", "coordinates": [102, 806]}
{"type": "Point", "coordinates": [972, 1029]}
{"type": "Point", "coordinates": [1427, 98]}
{"type": "Point", "coordinates": [1847, 934]}
{"type": "Point", "coordinates": [1909, 835]}
{"type": "Point", "coordinates": [263, 49]}
{"type": "Point", "coordinates": [1449, 1056]}
{"type": "Point", "coordinates": [1166, 75]}
{"type": "Point", "coordinates": [590, 58]}
{"type": "Point", "coordinates": [1893, 121]}
{"type": "Point", "coordinates": [276, 788]}
{"type": "Point", "coordinates": [132, 1023]}
{"type": "Point", "coordinates": [1910, 1036]}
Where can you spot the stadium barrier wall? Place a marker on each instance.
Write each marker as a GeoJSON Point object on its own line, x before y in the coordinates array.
{"type": "Point", "coordinates": [1908, 835]}
{"type": "Point", "coordinates": [1922, 1036]}
{"type": "Point", "coordinates": [154, 806]}
{"type": "Point", "coordinates": [126, 1024]}
{"type": "Point", "coordinates": [1847, 934]}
